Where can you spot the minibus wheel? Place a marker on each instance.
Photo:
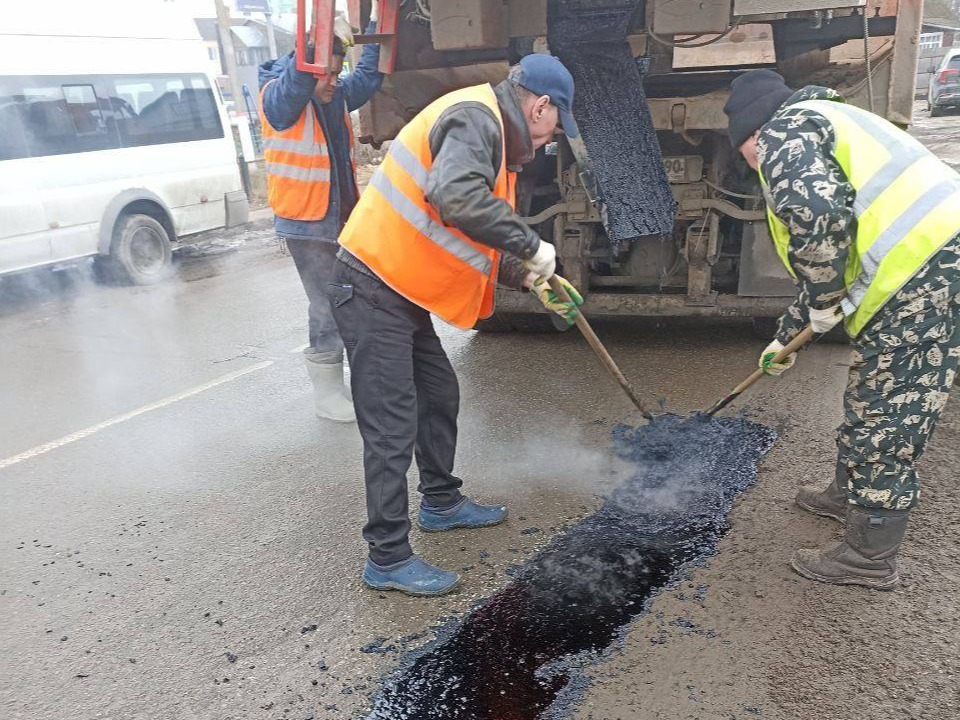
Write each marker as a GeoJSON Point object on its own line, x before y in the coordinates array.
{"type": "Point", "coordinates": [140, 254]}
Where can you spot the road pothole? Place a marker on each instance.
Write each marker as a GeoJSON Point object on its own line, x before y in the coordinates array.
{"type": "Point", "coordinates": [520, 654]}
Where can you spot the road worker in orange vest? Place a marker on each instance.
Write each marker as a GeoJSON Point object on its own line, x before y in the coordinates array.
{"type": "Point", "coordinates": [433, 233]}
{"type": "Point", "coordinates": [311, 186]}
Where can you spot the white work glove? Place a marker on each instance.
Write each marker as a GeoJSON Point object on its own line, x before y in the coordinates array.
{"type": "Point", "coordinates": [771, 368]}
{"type": "Point", "coordinates": [823, 321]}
{"type": "Point", "coordinates": [374, 10]}
{"type": "Point", "coordinates": [544, 261]}
{"type": "Point", "coordinates": [342, 29]}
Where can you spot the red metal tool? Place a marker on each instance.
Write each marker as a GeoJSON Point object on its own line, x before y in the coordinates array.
{"type": "Point", "coordinates": [321, 30]}
{"type": "Point", "coordinates": [318, 24]}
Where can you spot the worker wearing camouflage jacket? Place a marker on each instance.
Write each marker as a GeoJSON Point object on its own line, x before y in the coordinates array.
{"type": "Point", "coordinates": [868, 222]}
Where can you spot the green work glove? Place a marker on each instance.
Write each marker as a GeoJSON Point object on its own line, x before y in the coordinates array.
{"type": "Point", "coordinates": [566, 310]}
{"type": "Point", "coordinates": [767, 364]}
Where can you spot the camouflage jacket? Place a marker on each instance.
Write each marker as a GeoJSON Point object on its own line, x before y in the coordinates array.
{"type": "Point", "coordinates": [811, 195]}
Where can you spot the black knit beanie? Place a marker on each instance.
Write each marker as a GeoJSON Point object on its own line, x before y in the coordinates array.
{"type": "Point", "coordinates": [755, 97]}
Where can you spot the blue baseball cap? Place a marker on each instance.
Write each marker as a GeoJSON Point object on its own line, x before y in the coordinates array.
{"type": "Point", "coordinates": [546, 75]}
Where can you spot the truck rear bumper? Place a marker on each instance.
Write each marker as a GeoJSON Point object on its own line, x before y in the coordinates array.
{"type": "Point", "coordinates": [600, 304]}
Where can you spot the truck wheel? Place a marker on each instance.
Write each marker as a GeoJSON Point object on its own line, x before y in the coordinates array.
{"type": "Point", "coordinates": [140, 253]}
{"type": "Point", "coordinates": [522, 322]}
{"type": "Point", "coordinates": [935, 111]}
{"type": "Point", "coordinates": [496, 323]}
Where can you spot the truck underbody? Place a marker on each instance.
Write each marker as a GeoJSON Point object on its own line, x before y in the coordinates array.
{"type": "Point", "coordinates": [717, 259]}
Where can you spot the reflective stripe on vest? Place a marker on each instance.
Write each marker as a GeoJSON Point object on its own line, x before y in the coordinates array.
{"type": "Point", "coordinates": [428, 227]}
{"type": "Point", "coordinates": [907, 207]}
{"type": "Point", "coordinates": [400, 236]}
{"type": "Point", "coordinates": [298, 165]}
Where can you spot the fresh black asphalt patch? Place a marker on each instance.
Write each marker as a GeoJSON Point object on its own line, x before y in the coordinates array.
{"type": "Point", "coordinates": [520, 654]}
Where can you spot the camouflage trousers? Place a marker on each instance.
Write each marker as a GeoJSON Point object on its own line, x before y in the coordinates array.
{"type": "Point", "coordinates": [902, 373]}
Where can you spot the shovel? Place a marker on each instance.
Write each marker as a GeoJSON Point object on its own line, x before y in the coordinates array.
{"type": "Point", "coordinates": [600, 350]}
{"type": "Point", "coordinates": [805, 336]}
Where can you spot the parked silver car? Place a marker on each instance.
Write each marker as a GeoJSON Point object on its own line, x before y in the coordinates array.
{"type": "Point", "coordinates": [944, 89]}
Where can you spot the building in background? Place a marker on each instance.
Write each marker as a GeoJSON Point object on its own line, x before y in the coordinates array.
{"type": "Point", "coordinates": [208, 32]}
{"type": "Point", "coordinates": [250, 45]}
{"type": "Point", "coordinates": [939, 33]}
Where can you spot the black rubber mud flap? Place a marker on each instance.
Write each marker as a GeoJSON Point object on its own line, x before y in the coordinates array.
{"type": "Point", "coordinates": [610, 107]}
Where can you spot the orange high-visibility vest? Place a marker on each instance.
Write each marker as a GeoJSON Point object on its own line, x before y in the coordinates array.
{"type": "Point", "coordinates": [397, 234]}
{"type": "Point", "coordinates": [298, 165]}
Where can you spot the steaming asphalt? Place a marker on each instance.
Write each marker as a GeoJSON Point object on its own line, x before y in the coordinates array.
{"type": "Point", "coordinates": [168, 496]}
{"type": "Point", "coordinates": [180, 536]}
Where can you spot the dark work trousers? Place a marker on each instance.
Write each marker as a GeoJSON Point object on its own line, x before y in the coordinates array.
{"type": "Point", "coordinates": [315, 260]}
{"type": "Point", "coordinates": [406, 397]}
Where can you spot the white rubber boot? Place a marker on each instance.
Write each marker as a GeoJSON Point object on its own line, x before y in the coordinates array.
{"type": "Point", "coordinates": [329, 393]}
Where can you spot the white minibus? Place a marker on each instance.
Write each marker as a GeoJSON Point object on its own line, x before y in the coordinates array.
{"type": "Point", "coordinates": [114, 141]}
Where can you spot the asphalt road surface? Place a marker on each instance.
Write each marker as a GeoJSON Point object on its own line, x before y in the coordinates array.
{"type": "Point", "coordinates": [180, 536]}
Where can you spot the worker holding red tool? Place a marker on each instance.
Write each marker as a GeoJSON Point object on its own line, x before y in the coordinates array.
{"type": "Point", "coordinates": [311, 184]}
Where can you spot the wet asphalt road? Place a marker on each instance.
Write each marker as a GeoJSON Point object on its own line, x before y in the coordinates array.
{"type": "Point", "coordinates": [168, 497]}
{"type": "Point", "coordinates": [941, 134]}
{"type": "Point", "coordinates": [179, 536]}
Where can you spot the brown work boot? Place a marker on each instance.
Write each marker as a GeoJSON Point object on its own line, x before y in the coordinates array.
{"type": "Point", "coordinates": [867, 556]}
{"type": "Point", "coordinates": [831, 502]}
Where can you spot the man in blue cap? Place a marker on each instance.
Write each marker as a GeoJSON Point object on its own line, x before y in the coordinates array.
{"type": "Point", "coordinates": [432, 234]}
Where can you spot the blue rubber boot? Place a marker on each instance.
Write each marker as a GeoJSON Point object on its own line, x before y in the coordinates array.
{"type": "Point", "coordinates": [412, 576]}
{"type": "Point", "coordinates": [465, 514]}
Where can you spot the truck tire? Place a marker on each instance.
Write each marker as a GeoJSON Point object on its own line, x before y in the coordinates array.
{"type": "Point", "coordinates": [935, 111]}
{"type": "Point", "coordinates": [140, 253]}
{"type": "Point", "coordinates": [522, 322]}
{"type": "Point", "coordinates": [496, 323]}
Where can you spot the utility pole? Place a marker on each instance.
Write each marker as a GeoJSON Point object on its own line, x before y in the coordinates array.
{"type": "Point", "coordinates": [230, 57]}
{"type": "Point", "coordinates": [271, 37]}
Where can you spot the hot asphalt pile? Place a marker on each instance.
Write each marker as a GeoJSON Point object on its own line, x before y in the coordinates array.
{"type": "Point", "coordinates": [521, 651]}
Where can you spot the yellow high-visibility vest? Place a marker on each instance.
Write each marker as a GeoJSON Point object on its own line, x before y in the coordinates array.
{"type": "Point", "coordinates": [907, 207]}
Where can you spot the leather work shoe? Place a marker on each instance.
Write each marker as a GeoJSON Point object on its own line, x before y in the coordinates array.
{"type": "Point", "coordinates": [465, 514]}
{"type": "Point", "coordinates": [831, 502]}
{"type": "Point", "coordinates": [412, 576]}
{"type": "Point", "coordinates": [867, 556]}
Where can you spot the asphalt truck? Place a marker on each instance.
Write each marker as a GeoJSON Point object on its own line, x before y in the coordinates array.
{"type": "Point", "coordinates": [651, 210]}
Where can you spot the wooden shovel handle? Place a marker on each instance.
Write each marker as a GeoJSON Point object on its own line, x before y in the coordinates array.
{"type": "Point", "coordinates": [599, 349]}
{"type": "Point", "coordinates": [805, 336]}
{"type": "Point", "coordinates": [793, 346]}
